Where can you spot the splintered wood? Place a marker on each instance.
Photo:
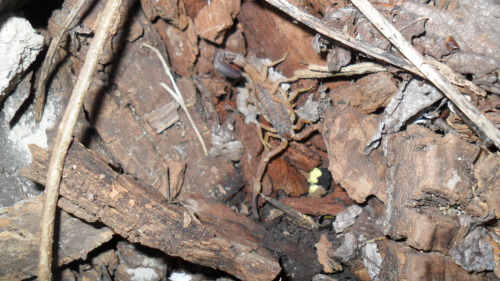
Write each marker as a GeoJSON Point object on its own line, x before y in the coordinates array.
{"type": "Point", "coordinates": [163, 117]}
{"type": "Point", "coordinates": [142, 216]}
{"type": "Point", "coordinates": [414, 182]}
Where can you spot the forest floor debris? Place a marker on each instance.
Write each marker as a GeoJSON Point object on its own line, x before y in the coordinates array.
{"type": "Point", "coordinates": [421, 204]}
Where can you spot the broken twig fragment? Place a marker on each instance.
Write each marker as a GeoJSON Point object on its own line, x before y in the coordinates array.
{"type": "Point", "coordinates": [162, 118]}
{"type": "Point", "coordinates": [47, 63]}
{"type": "Point", "coordinates": [339, 36]}
{"type": "Point", "coordinates": [296, 216]}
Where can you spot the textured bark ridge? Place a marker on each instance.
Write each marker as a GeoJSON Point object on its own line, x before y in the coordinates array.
{"type": "Point", "coordinates": [20, 235]}
{"type": "Point", "coordinates": [91, 190]}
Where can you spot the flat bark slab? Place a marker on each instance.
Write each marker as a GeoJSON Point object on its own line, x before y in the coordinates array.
{"type": "Point", "coordinates": [427, 174]}
{"type": "Point", "coordinates": [402, 262]}
{"type": "Point", "coordinates": [258, 18]}
{"type": "Point", "coordinates": [346, 133]}
{"type": "Point", "coordinates": [331, 204]}
{"type": "Point", "coordinates": [20, 235]}
{"type": "Point", "coordinates": [92, 190]}
{"type": "Point", "coordinates": [367, 94]}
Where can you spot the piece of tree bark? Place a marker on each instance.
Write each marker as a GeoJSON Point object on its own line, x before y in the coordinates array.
{"type": "Point", "coordinates": [346, 132]}
{"type": "Point", "coordinates": [142, 216]}
{"type": "Point", "coordinates": [427, 173]}
{"type": "Point", "coordinates": [331, 204]}
{"type": "Point", "coordinates": [20, 234]}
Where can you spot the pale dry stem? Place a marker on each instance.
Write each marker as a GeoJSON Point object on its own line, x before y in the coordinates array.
{"type": "Point", "coordinates": [176, 94]}
{"type": "Point", "coordinates": [64, 136]}
{"type": "Point", "coordinates": [415, 64]}
{"type": "Point", "coordinates": [430, 73]}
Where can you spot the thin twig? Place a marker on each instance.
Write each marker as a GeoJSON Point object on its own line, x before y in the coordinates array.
{"type": "Point", "coordinates": [47, 63]}
{"type": "Point", "coordinates": [64, 136]}
{"type": "Point", "coordinates": [341, 37]}
{"type": "Point", "coordinates": [351, 69]}
{"type": "Point", "coordinates": [414, 66]}
{"type": "Point", "coordinates": [178, 97]}
{"type": "Point", "coordinates": [323, 28]}
{"type": "Point", "coordinates": [320, 71]}
{"type": "Point", "coordinates": [176, 94]}
{"type": "Point", "coordinates": [397, 39]}
{"type": "Point", "coordinates": [296, 216]}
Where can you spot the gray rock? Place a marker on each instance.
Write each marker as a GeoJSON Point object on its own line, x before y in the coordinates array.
{"type": "Point", "coordinates": [19, 46]}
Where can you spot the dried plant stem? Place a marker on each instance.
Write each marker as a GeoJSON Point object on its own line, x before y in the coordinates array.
{"type": "Point", "coordinates": [338, 35]}
{"type": "Point", "coordinates": [64, 136]}
{"type": "Point", "coordinates": [319, 71]}
{"type": "Point", "coordinates": [341, 37]}
{"type": "Point", "coordinates": [177, 95]}
{"type": "Point", "coordinates": [415, 64]}
{"type": "Point", "coordinates": [397, 39]}
{"type": "Point", "coordinates": [47, 63]}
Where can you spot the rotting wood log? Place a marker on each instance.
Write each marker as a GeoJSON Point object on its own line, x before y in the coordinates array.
{"type": "Point", "coordinates": [142, 216]}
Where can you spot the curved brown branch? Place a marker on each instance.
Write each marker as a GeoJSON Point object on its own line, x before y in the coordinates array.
{"type": "Point", "coordinates": [64, 136]}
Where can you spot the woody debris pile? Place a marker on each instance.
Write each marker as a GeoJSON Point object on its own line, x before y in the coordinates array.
{"type": "Point", "coordinates": [293, 140]}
